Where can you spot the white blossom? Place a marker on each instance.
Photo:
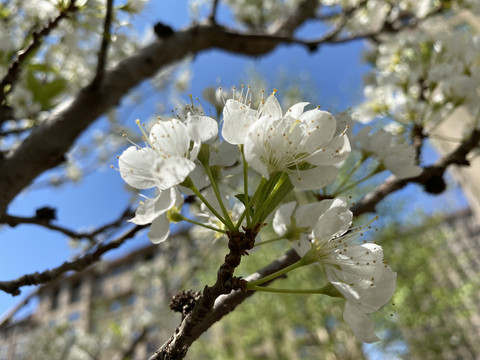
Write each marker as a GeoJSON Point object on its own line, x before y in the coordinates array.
{"type": "Point", "coordinates": [356, 269]}
{"type": "Point", "coordinates": [301, 143]}
{"type": "Point", "coordinates": [399, 157]}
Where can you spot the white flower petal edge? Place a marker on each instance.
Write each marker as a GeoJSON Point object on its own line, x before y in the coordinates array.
{"type": "Point", "coordinates": [150, 209]}
{"type": "Point", "coordinates": [159, 230]}
{"type": "Point", "coordinates": [282, 218]}
{"type": "Point", "coordinates": [360, 324]}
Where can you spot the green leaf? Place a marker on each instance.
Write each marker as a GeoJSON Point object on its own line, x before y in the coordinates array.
{"type": "Point", "coordinates": [44, 92]}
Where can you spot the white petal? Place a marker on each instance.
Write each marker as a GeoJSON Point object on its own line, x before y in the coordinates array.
{"type": "Point", "coordinates": [171, 171]}
{"type": "Point", "coordinates": [271, 108]}
{"type": "Point", "coordinates": [237, 118]}
{"type": "Point", "coordinates": [170, 138]}
{"type": "Point", "coordinates": [336, 151]}
{"type": "Point", "coordinates": [296, 110]}
{"type": "Point", "coordinates": [152, 208]}
{"type": "Point", "coordinates": [202, 129]}
{"type": "Point", "coordinates": [282, 217]}
{"type": "Point", "coordinates": [159, 230]}
{"type": "Point", "coordinates": [136, 165]}
{"type": "Point", "coordinates": [318, 127]}
{"type": "Point", "coordinates": [313, 179]}
{"type": "Point", "coordinates": [226, 155]}
{"type": "Point", "coordinates": [255, 148]}
{"type": "Point", "coordinates": [307, 215]}
{"type": "Point", "coordinates": [359, 322]}
{"type": "Point", "coordinates": [301, 246]}
{"type": "Point", "coordinates": [334, 222]}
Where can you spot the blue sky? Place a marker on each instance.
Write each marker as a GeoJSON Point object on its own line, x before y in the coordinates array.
{"type": "Point", "coordinates": [335, 71]}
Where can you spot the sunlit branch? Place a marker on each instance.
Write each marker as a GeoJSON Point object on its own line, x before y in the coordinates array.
{"type": "Point", "coordinates": [79, 264]}
{"type": "Point", "coordinates": [106, 39]}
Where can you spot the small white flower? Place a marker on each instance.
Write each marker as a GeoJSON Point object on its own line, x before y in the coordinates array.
{"type": "Point", "coordinates": [172, 147]}
{"type": "Point", "coordinates": [356, 269]}
{"type": "Point", "coordinates": [297, 140]}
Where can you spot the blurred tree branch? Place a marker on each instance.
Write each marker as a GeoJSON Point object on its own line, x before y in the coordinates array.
{"type": "Point", "coordinates": [13, 286]}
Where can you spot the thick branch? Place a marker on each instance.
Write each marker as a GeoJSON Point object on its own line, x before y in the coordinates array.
{"type": "Point", "coordinates": [392, 184]}
{"type": "Point", "coordinates": [13, 286]}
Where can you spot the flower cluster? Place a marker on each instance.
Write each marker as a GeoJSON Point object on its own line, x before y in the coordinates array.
{"type": "Point", "coordinates": [244, 173]}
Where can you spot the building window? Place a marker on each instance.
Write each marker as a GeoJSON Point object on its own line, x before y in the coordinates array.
{"type": "Point", "coordinates": [54, 299]}
{"type": "Point", "coordinates": [75, 292]}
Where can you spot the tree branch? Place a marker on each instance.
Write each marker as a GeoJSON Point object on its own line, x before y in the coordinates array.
{"type": "Point", "coordinates": [436, 171]}
{"type": "Point", "coordinates": [13, 286]}
{"type": "Point", "coordinates": [17, 220]}
{"type": "Point", "coordinates": [106, 38]}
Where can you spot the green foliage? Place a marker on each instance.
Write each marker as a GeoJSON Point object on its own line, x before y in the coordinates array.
{"type": "Point", "coordinates": [433, 302]}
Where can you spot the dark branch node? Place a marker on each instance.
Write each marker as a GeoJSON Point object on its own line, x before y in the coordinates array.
{"type": "Point", "coordinates": [46, 213]}
{"type": "Point", "coordinates": [185, 301]}
{"type": "Point", "coordinates": [435, 185]}
{"type": "Point", "coordinates": [163, 31]}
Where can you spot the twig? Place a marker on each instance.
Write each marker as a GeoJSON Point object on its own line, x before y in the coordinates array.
{"type": "Point", "coordinates": [17, 220]}
{"type": "Point", "coordinates": [37, 37]}
{"type": "Point", "coordinates": [127, 353]}
{"type": "Point", "coordinates": [13, 286]}
{"type": "Point", "coordinates": [213, 12]}
{"type": "Point", "coordinates": [106, 38]}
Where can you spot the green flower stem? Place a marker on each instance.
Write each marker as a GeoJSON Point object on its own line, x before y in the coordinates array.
{"type": "Point", "coordinates": [325, 290]}
{"type": "Point", "coordinates": [203, 225]}
{"type": "Point", "coordinates": [354, 169]}
{"type": "Point", "coordinates": [258, 212]}
{"type": "Point", "coordinates": [251, 202]}
{"type": "Point", "coordinates": [281, 272]}
{"type": "Point", "coordinates": [375, 171]}
{"type": "Point", "coordinates": [216, 190]}
{"type": "Point", "coordinates": [245, 184]}
{"type": "Point", "coordinates": [207, 204]}
{"type": "Point", "coordinates": [269, 241]}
